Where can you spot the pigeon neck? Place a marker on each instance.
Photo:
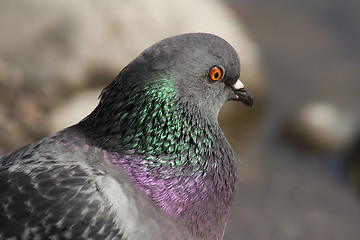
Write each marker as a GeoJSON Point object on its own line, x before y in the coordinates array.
{"type": "Point", "coordinates": [191, 179]}
{"type": "Point", "coordinates": [177, 157]}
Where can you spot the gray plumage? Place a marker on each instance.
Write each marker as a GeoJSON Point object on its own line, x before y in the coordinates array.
{"type": "Point", "coordinates": [150, 162]}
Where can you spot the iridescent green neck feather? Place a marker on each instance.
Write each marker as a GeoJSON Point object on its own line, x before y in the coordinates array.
{"type": "Point", "coordinates": [169, 139]}
{"type": "Point", "coordinates": [150, 118]}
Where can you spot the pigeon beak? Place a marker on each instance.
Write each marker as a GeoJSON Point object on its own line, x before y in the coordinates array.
{"type": "Point", "coordinates": [241, 94]}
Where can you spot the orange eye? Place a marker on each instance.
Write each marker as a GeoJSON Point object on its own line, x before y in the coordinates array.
{"type": "Point", "coordinates": [215, 73]}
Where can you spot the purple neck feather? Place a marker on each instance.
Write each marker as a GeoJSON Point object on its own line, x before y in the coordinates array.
{"type": "Point", "coordinates": [198, 202]}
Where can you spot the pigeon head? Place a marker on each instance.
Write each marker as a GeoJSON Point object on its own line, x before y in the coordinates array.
{"type": "Point", "coordinates": [194, 72]}
{"type": "Point", "coordinates": [204, 68]}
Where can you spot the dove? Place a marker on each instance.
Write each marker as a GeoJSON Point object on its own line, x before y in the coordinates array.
{"type": "Point", "coordinates": [149, 162]}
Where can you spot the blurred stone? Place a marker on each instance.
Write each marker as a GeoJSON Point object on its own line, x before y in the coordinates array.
{"type": "Point", "coordinates": [320, 127]}
{"type": "Point", "coordinates": [10, 75]}
{"type": "Point", "coordinates": [73, 110]}
{"type": "Point", "coordinates": [12, 134]}
{"type": "Point", "coordinates": [65, 40]}
{"type": "Point", "coordinates": [34, 119]}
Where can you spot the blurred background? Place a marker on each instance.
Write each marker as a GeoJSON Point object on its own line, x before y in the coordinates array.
{"type": "Point", "coordinates": [299, 147]}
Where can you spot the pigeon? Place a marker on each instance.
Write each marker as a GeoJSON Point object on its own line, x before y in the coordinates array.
{"type": "Point", "coordinates": [149, 162]}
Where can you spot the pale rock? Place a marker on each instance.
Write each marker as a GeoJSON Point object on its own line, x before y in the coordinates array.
{"type": "Point", "coordinates": [73, 110]}
{"type": "Point", "coordinates": [46, 41]}
{"type": "Point", "coordinates": [322, 126]}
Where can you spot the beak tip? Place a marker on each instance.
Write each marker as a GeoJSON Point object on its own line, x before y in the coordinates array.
{"type": "Point", "coordinates": [244, 96]}
{"type": "Point", "coordinates": [248, 101]}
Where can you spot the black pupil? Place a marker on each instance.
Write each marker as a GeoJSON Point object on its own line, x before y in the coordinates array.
{"type": "Point", "coordinates": [216, 75]}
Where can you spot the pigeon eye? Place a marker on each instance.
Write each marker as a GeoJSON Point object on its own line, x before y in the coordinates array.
{"type": "Point", "coordinates": [215, 74]}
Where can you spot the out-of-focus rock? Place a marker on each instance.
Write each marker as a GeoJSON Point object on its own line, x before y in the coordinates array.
{"type": "Point", "coordinates": [73, 110]}
{"type": "Point", "coordinates": [66, 40]}
{"type": "Point", "coordinates": [12, 133]}
{"type": "Point", "coordinates": [320, 127]}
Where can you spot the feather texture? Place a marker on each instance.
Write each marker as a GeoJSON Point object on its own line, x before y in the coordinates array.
{"type": "Point", "coordinates": [150, 162]}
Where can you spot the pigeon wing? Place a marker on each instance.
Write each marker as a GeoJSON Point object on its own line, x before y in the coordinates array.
{"type": "Point", "coordinates": [42, 197]}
